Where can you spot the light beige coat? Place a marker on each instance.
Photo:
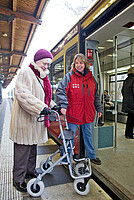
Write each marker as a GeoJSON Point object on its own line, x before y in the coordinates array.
{"type": "Point", "coordinates": [28, 103]}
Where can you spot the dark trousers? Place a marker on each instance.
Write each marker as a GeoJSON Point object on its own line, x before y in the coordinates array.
{"type": "Point", "coordinates": [24, 161]}
{"type": "Point", "coordinates": [129, 125]}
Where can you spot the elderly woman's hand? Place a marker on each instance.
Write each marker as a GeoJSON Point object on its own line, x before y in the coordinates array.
{"type": "Point", "coordinates": [45, 111]}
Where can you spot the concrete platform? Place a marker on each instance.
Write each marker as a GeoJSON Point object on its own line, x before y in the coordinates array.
{"type": "Point", "coordinates": [117, 164]}
{"type": "Point", "coordinates": [116, 170]}
{"type": "Point", "coordinates": [60, 191]}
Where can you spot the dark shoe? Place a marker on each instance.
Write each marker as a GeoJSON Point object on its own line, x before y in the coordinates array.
{"type": "Point", "coordinates": [30, 176]}
{"type": "Point", "coordinates": [129, 137]}
{"type": "Point", "coordinates": [96, 161]}
{"type": "Point", "coordinates": [101, 124]}
{"type": "Point", "coordinates": [22, 187]}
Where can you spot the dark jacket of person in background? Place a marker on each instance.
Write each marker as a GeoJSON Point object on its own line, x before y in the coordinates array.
{"type": "Point", "coordinates": [128, 92]}
{"type": "Point", "coordinates": [128, 102]}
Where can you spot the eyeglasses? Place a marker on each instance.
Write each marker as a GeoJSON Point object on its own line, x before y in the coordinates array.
{"type": "Point", "coordinates": [46, 64]}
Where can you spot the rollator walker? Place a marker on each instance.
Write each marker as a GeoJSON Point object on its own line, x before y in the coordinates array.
{"type": "Point", "coordinates": [80, 169]}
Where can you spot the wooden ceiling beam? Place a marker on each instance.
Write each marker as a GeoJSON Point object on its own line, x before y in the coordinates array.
{"type": "Point", "coordinates": [8, 66]}
{"type": "Point", "coordinates": [31, 32]}
{"type": "Point", "coordinates": [32, 29]}
{"type": "Point", "coordinates": [14, 16]}
{"type": "Point", "coordinates": [14, 5]}
{"type": "Point", "coordinates": [12, 39]}
{"type": "Point", "coordinates": [18, 53]}
{"type": "Point", "coordinates": [42, 3]}
{"type": "Point", "coordinates": [6, 74]}
{"type": "Point", "coordinates": [21, 15]}
{"type": "Point", "coordinates": [13, 32]}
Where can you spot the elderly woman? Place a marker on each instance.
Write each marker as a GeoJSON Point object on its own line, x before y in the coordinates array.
{"type": "Point", "coordinates": [32, 97]}
{"type": "Point", "coordinates": [77, 95]}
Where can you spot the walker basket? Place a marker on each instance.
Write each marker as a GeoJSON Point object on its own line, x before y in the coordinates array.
{"type": "Point", "coordinates": [81, 168]}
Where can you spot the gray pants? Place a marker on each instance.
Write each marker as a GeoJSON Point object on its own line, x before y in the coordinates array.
{"type": "Point", "coordinates": [24, 161]}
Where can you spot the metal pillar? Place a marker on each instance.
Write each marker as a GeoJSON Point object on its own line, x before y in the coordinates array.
{"type": "Point", "coordinates": [0, 92]}
{"type": "Point", "coordinates": [93, 45]}
{"type": "Point", "coordinates": [115, 66]}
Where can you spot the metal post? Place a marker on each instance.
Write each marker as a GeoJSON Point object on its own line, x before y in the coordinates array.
{"type": "Point", "coordinates": [131, 55]}
{"type": "Point", "coordinates": [0, 91]}
{"type": "Point", "coordinates": [99, 71]}
{"type": "Point", "coordinates": [115, 63]}
{"type": "Point", "coordinates": [103, 116]}
{"type": "Point", "coordinates": [93, 45]}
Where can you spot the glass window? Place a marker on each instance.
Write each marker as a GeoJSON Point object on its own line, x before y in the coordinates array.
{"type": "Point", "coordinates": [57, 69]}
{"type": "Point", "coordinates": [120, 80]}
{"type": "Point", "coordinates": [57, 73]}
{"type": "Point", "coordinates": [70, 56]}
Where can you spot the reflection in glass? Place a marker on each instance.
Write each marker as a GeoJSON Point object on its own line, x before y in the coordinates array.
{"type": "Point", "coordinates": [120, 79]}
{"type": "Point", "coordinates": [58, 73]}
{"type": "Point", "coordinates": [70, 56]}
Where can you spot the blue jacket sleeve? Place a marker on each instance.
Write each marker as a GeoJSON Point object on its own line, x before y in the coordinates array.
{"type": "Point", "coordinates": [61, 97]}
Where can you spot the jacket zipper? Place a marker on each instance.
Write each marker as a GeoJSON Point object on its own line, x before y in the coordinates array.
{"type": "Point", "coordinates": [88, 89]}
{"type": "Point", "coordinates": [83, 89]}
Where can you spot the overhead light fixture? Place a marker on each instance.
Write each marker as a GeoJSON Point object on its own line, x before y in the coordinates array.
{"type": "Point", "coordinates": [119, 69]}
{"type": "Point", "coordinates": [110, 55]}
{"type": "Point", "coordinates": [4, 35]}
{"type": "Point", "coordinates": [110, 40]}
{"type": "Point", "coordinates": [101, 47]}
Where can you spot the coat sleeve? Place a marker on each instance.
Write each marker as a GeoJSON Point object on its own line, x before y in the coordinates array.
{"type": "Point", "coordinates": [97, 102]}
{"type": "Point", "coordinates": [28, 93]}
{"type": "Point", "coordinates": [122, 90]}
{"type": "Point", "coordinates": [61, 96]}
{"type": "Point", "coordinates": [133, 89]}
{"type": "Point", "coordinates": [52, 104]}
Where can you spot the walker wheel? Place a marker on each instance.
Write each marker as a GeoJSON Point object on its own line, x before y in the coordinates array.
{"type": "Point", "coordinates": [80, 188]}
{"type": "Point", "coordinates": [39, 188]}
{"type": "Point", "coordinates": [44, 166]}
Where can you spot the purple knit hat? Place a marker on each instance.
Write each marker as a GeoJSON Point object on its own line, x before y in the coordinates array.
{"type": "Point", "coordinates": [42, 54]}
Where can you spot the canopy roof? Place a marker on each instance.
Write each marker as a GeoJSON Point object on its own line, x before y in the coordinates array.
{"type": "Point", "coordinates": [18, 22]}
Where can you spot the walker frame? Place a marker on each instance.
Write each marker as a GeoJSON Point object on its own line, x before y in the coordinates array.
{"type": "Point", "coordinates": [80, 169]}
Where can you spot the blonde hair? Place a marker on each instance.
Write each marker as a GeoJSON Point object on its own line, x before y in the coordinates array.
{"type": "Point", "coordinates": [82, 57]}
{"type": "Point", "coordinates": [131, 70]}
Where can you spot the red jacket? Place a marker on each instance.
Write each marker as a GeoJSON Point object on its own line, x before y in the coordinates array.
{"type": "Point", "coordinates": [79, 95]}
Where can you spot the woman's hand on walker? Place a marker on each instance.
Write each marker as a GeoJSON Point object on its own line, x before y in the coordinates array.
{"type": "Point", "coordinates": [63, 111]}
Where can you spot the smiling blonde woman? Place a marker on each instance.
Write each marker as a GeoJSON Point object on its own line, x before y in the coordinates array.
{"type": "Point", "coordinates": [78, 96]}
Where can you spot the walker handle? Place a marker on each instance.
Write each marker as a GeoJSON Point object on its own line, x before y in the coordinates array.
{"type": "Point", "coordinates": [67, 128]}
